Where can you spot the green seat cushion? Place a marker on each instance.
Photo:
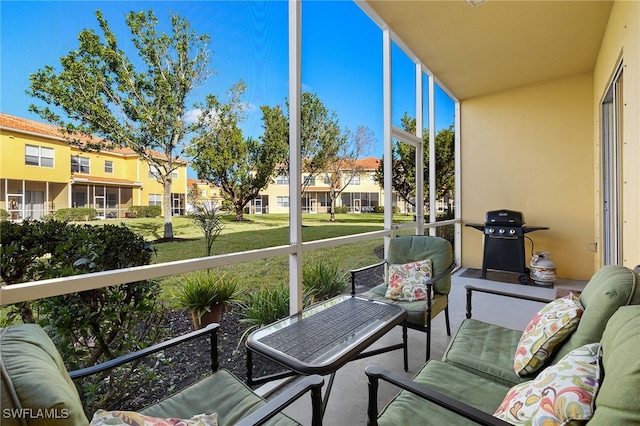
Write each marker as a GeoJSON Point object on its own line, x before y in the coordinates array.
{"type": "Point", "coordinates": [477, 391]}
{"type": "Point", "coordinates": [489, 350]}
{"type": "Point", "coordinates": [609, 288]}
{"type": "Point", "coordinates": [220, 393]}
{"type": "Point", "coordinates": [416, 310]}
{"type": "Point", "coordinates": [485, 349]}
{"type": "Point", "coordinates": [618, 401]}
{"type": "Point", "coordinates": [34, 377]}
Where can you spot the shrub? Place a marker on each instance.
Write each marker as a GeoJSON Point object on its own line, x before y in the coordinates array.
{"type": "Point", "coordinates": [271, 303]}
{"type": "Point", "coordinates": [95, 325]}
{"type": "Point", "coordinates": [342, 209]}
{"type": "Point", "coordinates": [76, 214]}
{"type": "Point", "coordinates": [144, 211]}
{"type": "Point", "coordinates": [378, 209]}
{"type": "Point", "coordinates": [322, 281]}
{"type": "Point", "coordinates": [264, 306]}
{"type": "Point", "coordinates": [4, 215]}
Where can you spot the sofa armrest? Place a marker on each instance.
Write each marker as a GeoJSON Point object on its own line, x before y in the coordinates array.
{"type": "Point", "coordinates": [471, 289]}
{"type": "Point", "coordinates": [354, 272]}
{"type": "Point", "coordinates": [311, 383]}
{"type": "Point", "coordinates": [375, 373]}
{"type": "Point", "coordinates": [212, 329]}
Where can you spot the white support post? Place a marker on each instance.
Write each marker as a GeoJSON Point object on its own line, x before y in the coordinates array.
{"type": "Point", "coordinates": [23, 211]}
{"type": "Point", "coordinates": [432, 155]}
{"type": "Point", "coordinates": [45, 208]}
{"type": "Point", "coordinates": [458, 195]}
{"type": "Point", "coordinates": [387, 138]}
{"type": "Point", "coordinates": [295, 167]}
{"type": "Point", "coordinates": [419, 153]}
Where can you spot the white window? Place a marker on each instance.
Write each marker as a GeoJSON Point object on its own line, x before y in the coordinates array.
{"type": "Point", "coordinates": [108, 166]}
{"type": "Point", "coordinates": [282, 180]}
{"type": "Point", "coordinates": [154, 171]}
{"type": "Point", "coordinates": [372, 178]}
{"type": "Point", "coordinates": [612, 121]}
{"type": "Point", "coordinates": [282, 201]}
{"type": "Point", "coordinates": [309, 180]}
{"type": "Point", "coordinates": [79, 164]}
{"type": "Point", "coordinates": [155, 200]}
{"type": "Point", "coordinates": [38, 156]}
{"type": "Point", "coordinates": [174, 174]}
{"type": "Point", "coordinates": [355, 180]}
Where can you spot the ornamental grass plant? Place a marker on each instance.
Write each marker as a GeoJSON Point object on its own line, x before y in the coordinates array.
{"type": "Point", "coordinates": [322, 281]}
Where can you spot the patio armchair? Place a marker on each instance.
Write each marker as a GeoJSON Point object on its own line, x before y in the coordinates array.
{"type": "Point", "coordinates": [405, 250]}
{"type": "Point", "coordinates": [37, 389]}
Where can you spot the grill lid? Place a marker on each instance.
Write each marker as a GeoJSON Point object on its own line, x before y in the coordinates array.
{"type": "Point", "coordinates": [504, 218]}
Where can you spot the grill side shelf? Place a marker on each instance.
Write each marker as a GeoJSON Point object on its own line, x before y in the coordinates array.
{"type": "Point", "coordinates": [478, 226]}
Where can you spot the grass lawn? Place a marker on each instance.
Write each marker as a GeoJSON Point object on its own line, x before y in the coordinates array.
{"type": "Point", "coordinates": [261, 231]}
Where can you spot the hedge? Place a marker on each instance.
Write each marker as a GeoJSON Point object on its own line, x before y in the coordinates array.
{"type": "Point", "coordinates": [76, 214]}
{"type": "Point", "coordinates": [144, 211]}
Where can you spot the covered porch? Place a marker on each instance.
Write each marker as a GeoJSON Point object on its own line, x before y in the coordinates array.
{"type": "Point", "coordinates": [540, 105]}
{"type": "Point", "coordinates": [348, 398]}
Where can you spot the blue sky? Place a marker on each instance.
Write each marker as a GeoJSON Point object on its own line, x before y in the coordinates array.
{"type": "Point", "coordinates": [341, 54]}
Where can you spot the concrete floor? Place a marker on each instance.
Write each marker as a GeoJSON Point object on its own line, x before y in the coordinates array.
{"type": "Point", "coordinates": [347, 404]}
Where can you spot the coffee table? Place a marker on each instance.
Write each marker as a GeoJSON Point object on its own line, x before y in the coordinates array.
{"type": "Point", "coordinates": [324, 337]}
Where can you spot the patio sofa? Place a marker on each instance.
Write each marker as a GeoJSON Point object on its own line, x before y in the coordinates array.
{"type": "Point", "coordinates": [36, 389]}
{"type": "Point", "coordinates": [477, 372]}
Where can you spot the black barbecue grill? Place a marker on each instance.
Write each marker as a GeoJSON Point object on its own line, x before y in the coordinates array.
{"type": "Point", "coordinates": [504, 233]}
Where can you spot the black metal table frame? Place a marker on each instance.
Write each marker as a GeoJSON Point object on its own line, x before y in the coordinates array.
{"type": "Point", "coordinates": [352, 353]}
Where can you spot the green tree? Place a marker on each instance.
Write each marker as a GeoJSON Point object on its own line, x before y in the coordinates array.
{"type": "Point", "coordinates": [138, 103]}
{"type": "Point", "coordinates": [222, 156]}
{"type": "Point", "coordinates": [320, 135]}
{"type": "Point", "coordinates": [404, 164]}
{"type": "Point", "coordinates": [193, 194]}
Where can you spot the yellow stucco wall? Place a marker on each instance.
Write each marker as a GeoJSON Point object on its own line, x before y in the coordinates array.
{"type": "Point", "coordinates": [530, 150]}
{"type": "Point", "coordinates": [97, 163]}
{"type": "Point", "coordinates": [12, 160]}
{"type": "Point", "coordinates": [622, 41]}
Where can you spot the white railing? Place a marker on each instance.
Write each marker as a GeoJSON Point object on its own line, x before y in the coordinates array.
{"type": "Point", "coordinates": [15, 293]}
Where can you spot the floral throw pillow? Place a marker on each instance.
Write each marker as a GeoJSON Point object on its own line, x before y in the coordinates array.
{"type": "Point", "coordinates": [407, 281]}
{"type": "Point", "coordinates": [113, 418]}
{"type": "Point", "coordinates": [562, 394]}
{"type": "Point", "coordinates": [548, 328]}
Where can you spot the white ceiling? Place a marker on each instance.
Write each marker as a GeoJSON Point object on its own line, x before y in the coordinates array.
{"type": "Point", "coordinates": [499, 44]}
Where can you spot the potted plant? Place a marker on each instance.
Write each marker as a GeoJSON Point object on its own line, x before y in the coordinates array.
{"type": "Point", "coordinates": [206, 296]}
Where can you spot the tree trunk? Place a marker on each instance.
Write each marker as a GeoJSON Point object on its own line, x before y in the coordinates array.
{"type": "Point", "coordinates": [168, 224]}
{"type": "Point", "coordinates": [332, 196]}
{"type": "Point", "coordinates": [239, 212]}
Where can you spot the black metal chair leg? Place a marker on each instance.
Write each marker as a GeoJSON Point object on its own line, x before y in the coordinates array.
{"type": "Point", "coordinates": [249, 368]}
{"type": "Point", "coordinates": [446, 318]}
{"type": "Point", "coordinates": [404, 343]}
{"type": "Point", "coordinates": [428, 340]}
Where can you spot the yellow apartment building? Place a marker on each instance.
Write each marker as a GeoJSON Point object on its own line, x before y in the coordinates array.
{"type": "Point", "coordinates": [361, 193]}
{"type": "Point", "coordinates": [204, 193]}
{"type": "Point", "coordinates": [41, 173]}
